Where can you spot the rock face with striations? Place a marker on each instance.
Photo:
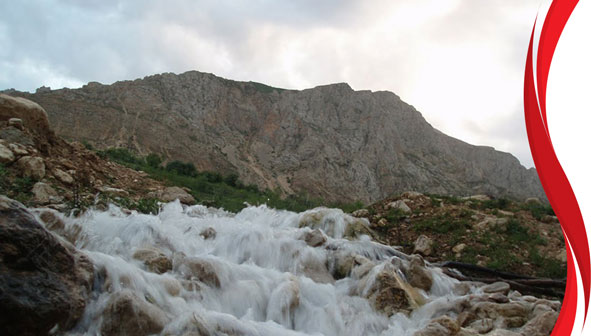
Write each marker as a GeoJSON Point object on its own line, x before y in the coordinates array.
{"type": "Point", "coordinates": [329, 141]}
{"type": "Point", "coordinates": [44, 281]}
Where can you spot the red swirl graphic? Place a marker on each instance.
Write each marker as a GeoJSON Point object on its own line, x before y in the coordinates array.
{"type": "Point", "coordinates": [552, 176]}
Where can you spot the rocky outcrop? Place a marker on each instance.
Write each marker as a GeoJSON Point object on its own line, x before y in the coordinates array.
{"type": "Point", "coordinates": [41, 168]}
{"type": "Point", "coordinates": [329, 141]}
{"type": "Point", "coordinates": [44, 281]}
{"type": "Point", "coordinates": [20, 114]}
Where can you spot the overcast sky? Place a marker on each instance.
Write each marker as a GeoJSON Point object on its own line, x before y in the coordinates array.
{"type": "Point", "coordinates": [459, 62]}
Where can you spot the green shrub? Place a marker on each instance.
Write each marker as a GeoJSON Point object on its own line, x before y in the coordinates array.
{"type": "Point", "coordinates": [182, 168]}
{"type": "Point", "coordinates": [231, 180]}
{"type": "Point", "coordinates": [538, 210]}
{"type": "Point", "coordinates": [214, 189]}
{"type": "Point", "coordinates": [153, 160]}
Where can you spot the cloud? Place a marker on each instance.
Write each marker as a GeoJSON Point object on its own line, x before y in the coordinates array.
{"type": "Point", "coordinates": [460, 62]}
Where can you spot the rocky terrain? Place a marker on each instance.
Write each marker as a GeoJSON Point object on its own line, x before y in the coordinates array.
{"type": "Point", "coordinates": [520, 237]}
{"type": "Point", "coordinates": [329, 141]}
{"type": "Point", "coordinates": [39, 168]}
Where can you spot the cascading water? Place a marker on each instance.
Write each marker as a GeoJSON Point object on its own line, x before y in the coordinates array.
{"type": "Point", "coordinates": [203, 271]}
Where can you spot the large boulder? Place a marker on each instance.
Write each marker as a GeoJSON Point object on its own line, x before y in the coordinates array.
{"type": "Point", "coordinates": [417, 274]}
{"type": "Point", "coordinates": [31, 115]}
{"type": "Point", "coordinates": [44, 281]}
{"type": "Point", "coordinates": [128, 314]}
{"type": "Point", "coordinates": [31, 167]}
{"type": "Point", "coordinates": [155, 260]}
{"type": "Point", "coordinates": [43, 193]}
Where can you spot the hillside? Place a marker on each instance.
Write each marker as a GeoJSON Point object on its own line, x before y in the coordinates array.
{"type": "Point", "coordinates": [330, 141]}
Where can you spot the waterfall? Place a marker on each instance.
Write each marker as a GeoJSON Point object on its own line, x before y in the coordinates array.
{"type": "Point", "coordinates": [205, 271]}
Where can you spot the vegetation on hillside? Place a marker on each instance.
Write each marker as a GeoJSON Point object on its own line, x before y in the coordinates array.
{"type": "Point", "coordinates": [502, 234]}
{"type": "Point", "coordinates": [215, 189]}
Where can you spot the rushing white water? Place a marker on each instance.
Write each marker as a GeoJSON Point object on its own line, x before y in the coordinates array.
{"type": "Point", "coordinates": [263, 278]}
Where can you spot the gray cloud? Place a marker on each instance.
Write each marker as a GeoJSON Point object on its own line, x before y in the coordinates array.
{"type": "Point", "coordinates": [460, 62]}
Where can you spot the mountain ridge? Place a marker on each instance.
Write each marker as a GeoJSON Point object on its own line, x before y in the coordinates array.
{"type": "Point", "coordinates": [329, 141]}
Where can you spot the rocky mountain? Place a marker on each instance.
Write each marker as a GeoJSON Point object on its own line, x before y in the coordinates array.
{"type": "Point", "coordinates": [329, 141]}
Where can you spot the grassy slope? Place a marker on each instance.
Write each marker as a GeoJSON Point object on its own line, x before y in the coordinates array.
{"type": "Point", "coordinates": [212, 189]}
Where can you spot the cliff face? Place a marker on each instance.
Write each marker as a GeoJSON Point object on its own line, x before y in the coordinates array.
{"type": "Point", "coordinates": [329, 141]}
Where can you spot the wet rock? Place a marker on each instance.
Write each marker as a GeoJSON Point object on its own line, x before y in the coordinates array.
{"type": "Point", "coordinates": [316, 270]}
{"type": "Point", "coordinates": [389, 294]}
{"type": "Point", "coordinates": [482, 326]}
{"type": "Point", "coordinates": [356, 227]}
{"type": "Point", "coordinates": [155, 260]}
{"type": "Point", "coordinates": [128, 314]}
{"type": "Point", "coordinates": [441, 326]}
{"type": "Point", "coordinates": [466, 332]}
{"type": "Point", "coordinates": [200, 269]}
{"type": "Point", "coordinates": [31, 167]}
{"type": "Point", "coordinates": [362, 266]}
{"type": "Point", "coordinates": [6, 155]}
{"type": "Point", "coordinates": [191, 324]}
{"type": "Point", "coordinates": [553, 304]}
{"type": "Point", "coordinates": [171, 285]}
{"type": "Point", "coordinates": [541, 325]}
{"type": "Point", "coordinates": [208, 233]}
{"type": "Point", "coordinates": [418, 276]}
{"type": "Point", "coordinates": [513, 322]}
{"type": "Point", "coordinates": [360, 213]}
{"type": "Point", "coordinates": [43, 193]}
{"type": "Point", "coordinates": [423, 245]}
{"type": "Point", "coordinates": [461, 288]}
{"type": "Point", "coordinates": [44, 281]}
{"type": "Point", "coordinates": [495, 310]}
{"type": "Point", "coordinates": [327, 220]}
{"type": "Point", "coordinates": [314, 238]}
{"type": "Point", "coordinates": [497, 287]}
{"type": "Point", "coordinates": [284, 300]}
{"type": "Point", "coordinates": [541, 309]}
{"type": "Point", "coordinates": [399, 205]}
{"type": "Point", "coordinates": [52, 221]}
{"type": "Point", "coordinates": [342, 264]}
{"type": "Point", "coordinates": [63, 176]}
{"type": "Point", "coordinates": [498, 298]}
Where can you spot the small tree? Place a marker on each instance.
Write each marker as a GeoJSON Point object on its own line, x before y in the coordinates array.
{"type": "Point", "coordinates": [182, 168]}
{"type": "Point", "coordinates": [231, 180]}
{"type": "Point", "coordinates": [153, 160]}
